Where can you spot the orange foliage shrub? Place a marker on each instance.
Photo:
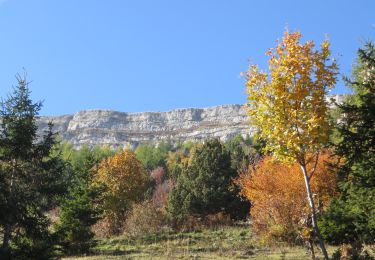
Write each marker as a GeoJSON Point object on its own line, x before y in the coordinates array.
{"type": "Point", "coordinates": [278, 196]}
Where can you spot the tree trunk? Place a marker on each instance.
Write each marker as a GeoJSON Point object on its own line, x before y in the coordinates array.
{"type": "Point", "coordinates": [6, 238]}
{"type": "Point", "coordinates": [5, 250]}
{"type": "Point", "coordinates": [311, 247]}
{"type": "Point", "coordinates": [313, 212]}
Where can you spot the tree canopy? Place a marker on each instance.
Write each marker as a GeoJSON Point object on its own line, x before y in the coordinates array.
{"type": "Point", "coordinates": [122, 178]}
{"type": "Point", "coordinates": [287, 105]}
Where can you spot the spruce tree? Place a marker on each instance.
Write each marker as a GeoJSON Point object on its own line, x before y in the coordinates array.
{"type": "Point", "coordinates": [31, 178]}
{"type": "Point", "coordinates": [206, 185]}
{"type": "Point", "coordinates": [78, 211]}
{"type": "Point", "coordinates": [351, 217]}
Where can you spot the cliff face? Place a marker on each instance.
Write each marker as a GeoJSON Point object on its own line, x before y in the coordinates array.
{"type": "Point", "coordinates": [106, 127]}
{"type": "Point", "coordinates": [118, 129]}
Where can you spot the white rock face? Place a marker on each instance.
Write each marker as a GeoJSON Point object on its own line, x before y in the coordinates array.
{"type": "Point", "coordinates": [106, 127]}
{"type": "Point", "coordinates": [112, 128]}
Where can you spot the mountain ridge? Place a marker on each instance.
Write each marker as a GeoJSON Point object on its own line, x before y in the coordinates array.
{"type": "Point", "coordinates": [115, 128]}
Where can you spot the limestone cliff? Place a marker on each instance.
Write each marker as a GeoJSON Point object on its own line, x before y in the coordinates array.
{"type": "Point", "coordinates": [106, 127]}
{"type": "Point", "coordinates": [119, 128]}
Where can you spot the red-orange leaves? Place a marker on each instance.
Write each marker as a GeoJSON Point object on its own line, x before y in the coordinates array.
{"type": "Point", "coordinates": [278, 196]}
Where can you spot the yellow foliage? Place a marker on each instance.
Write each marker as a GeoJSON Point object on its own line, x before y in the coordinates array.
{"type": "Point", "coordinates": [287, 105]}
{"type": "Point", "coordinates": [123, 180]}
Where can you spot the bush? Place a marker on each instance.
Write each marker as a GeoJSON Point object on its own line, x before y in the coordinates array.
{"type": "Point", "coordinates": [279, 208]}
{"type": "Point", "coordinates": [161, 189]}
{"type": "Point", "coordinates": [355, 251]}
{"type": "Point", "coordinates": [218, 220]}
{"type": "Point", "coordinates": [160, 195]}
{"type": "Point", "coordinates": [194, 223]}
{"type": "Point", "coordinates": [144, 218]}
{"type": "Point", "coordinates": [103, 228]}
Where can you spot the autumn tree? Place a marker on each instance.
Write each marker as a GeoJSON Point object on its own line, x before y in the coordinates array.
{"type": "Point", "coordinates": [276, 190]}
{"type": "Point", "coordinates": [122, 179]}
{"type": "Point", "coordinates": [288, 108]}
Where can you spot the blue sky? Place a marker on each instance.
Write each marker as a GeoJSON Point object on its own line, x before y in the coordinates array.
{"type": "Point", "coordinates": [156, 55]}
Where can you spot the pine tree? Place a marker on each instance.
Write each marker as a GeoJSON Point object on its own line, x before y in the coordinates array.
{"type": "Point", "coordinates": [31, 178]}
{"type": "Point", "coordinates": [351, 217]}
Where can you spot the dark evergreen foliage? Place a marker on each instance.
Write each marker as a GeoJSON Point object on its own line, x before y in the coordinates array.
{"type": "Point", "coordinates": [243, 152]}
{"type": "Point", "coordinates": [206, 185]}
{"type": "Point", "coordinates": [31, 179]}
{"type": "Point", "coordinates": [79, 210]}
{"type": "Point", "coordinates": [351, 217]}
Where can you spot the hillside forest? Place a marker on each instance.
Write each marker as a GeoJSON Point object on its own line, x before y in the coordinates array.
{"type": "Point", "coordinates": [302, 187]}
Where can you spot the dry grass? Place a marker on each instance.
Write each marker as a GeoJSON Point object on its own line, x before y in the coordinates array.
{"type": "Point", "coordinates": [222, 243]}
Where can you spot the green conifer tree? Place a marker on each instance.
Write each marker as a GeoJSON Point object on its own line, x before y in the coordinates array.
{"type": "Point", "coordinates": [31, 179]}
{"type": "Point", "coordinates": [78, 210]}
{"type": "Point", "coordinates": [351, 217]}
{"type": "Point", "coordinates": [206, 185]}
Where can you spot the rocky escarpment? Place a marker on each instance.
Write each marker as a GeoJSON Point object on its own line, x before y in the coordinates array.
{"type": "Point", "coordinates": [106, 127]}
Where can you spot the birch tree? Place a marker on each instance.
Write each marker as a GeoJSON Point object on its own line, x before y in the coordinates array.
{"type": "Point", "coordinates": [287, 105]}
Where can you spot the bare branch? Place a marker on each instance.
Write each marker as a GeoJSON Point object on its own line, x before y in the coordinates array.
{"type": "Point", "coordinates": [315, 164]}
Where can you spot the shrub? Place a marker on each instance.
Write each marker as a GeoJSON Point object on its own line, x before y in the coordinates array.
{"type": "Point", "coordinates": [158, 175]}
{"type": "Point", "coordinates": [279, 209]}
{"type": "Point", "coordinates": [103, 227]}
{"type": "Point", "coordinates": [217, 220]}
{"type": "Point", "coordinates": [160, 195]}
{"type": "Point", "coordinates": [144, 218]}
{"type": "Point", "coordinates": [194, 223]}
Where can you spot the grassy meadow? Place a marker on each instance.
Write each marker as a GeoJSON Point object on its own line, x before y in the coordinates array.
{"type": "Point", "coordinates": [235, 242]}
